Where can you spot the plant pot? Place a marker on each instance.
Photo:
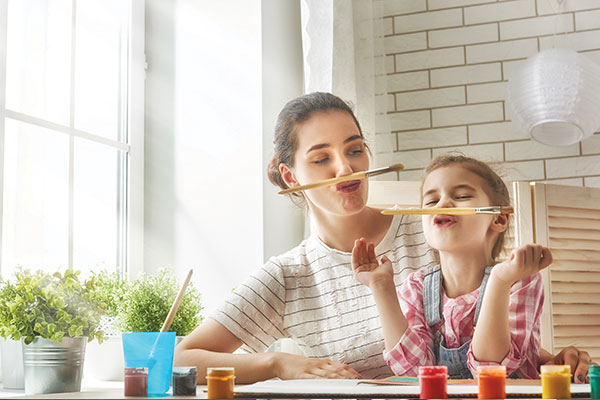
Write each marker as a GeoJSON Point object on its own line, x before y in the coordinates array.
{"type": "Point", "coordinates": [12, 364]}
{"type": "Point", "coordinates": [53, 367]}
{"type": "Point", "coordinates": [104, 361]}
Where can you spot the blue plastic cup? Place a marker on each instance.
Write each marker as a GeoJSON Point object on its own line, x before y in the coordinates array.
{"type": "Point", "coordinates": [152, 350]}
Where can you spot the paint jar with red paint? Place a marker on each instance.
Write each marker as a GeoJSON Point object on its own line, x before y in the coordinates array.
{"type": "Point", "coordinates": [433, 381]}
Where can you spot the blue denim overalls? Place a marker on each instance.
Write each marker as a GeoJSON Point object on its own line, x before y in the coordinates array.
{"type": "Point", "coordinates": [455, 359]}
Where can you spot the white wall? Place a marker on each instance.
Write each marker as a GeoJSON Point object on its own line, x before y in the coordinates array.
{"type": "Point", "coordinates": [207, 120]}
{"type": "Point", "coordinates": [282, 81]}
{"type": "Point", "coordinates": [448, 63]}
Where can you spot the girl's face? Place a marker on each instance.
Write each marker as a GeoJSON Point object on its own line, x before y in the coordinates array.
{"type": "Point", "coordinates": [329, 146]}
{"type": "Point", "coordinates": [456, 186]}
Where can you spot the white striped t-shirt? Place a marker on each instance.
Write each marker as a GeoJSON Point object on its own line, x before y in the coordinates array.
{"type": "Point", "coordinates": [309, 294]}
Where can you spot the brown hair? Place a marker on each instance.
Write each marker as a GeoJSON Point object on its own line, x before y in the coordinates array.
{"type": "Point", "coordinates": [495, 187]}
{"type": "Point", "coordinates": [293, 114]}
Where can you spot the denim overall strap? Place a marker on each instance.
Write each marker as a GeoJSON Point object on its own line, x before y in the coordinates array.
{"type": "Point", "coordinates": [455, 358]}
{"type": "Point", "coordinates": [486, 276]}
{"type": "Point", "coordinates": [432, 292]}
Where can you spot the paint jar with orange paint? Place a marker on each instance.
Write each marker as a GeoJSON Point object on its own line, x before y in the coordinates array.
{"type": "Point", "coordinates": [219, 382]}
{"type": "Point", "coordinates": [491, 381]}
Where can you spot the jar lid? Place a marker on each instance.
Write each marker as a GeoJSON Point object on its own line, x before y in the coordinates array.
{"type": "Point", "coordinates": [556, 369]}
{"type": "Point", "coordinates": [219, 371]}
{"type": "Point", "coordinates": [433, 370]}
{"type": "Point", "coordinates": [184, 370]}
{"type": "Point", "coordinates": [496, 370]}
{"type": "Point", "coordinates": [136, 371]}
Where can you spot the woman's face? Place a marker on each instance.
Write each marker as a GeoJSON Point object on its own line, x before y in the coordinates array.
{"type": "Point", "coordinates": [329, 146]}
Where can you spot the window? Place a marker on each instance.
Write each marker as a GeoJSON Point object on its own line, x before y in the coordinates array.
{"type": "Point", "coordinates": [71, 84]}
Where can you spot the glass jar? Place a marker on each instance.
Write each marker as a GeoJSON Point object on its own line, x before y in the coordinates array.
{"type": "Point", "coordinates": [220, 382]}
{"type": "Point", "coordinates": [433, 381]}
{"type": "Point", "coordinates": [491, 382]}
{"type": "Point", "coordinates": [556, 381]}
{"type": "Point", "coordinates": [184, 381]}
{"type": "Point", "coordinates": [594, 374]}
{"type": "Point", "coordinates": [136, 382]}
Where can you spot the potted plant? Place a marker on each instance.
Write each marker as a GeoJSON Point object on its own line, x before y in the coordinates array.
{"type": "Point", "coordinates": [12, 354]}
{"type": "Point", "coordinates": [54, 315]}
{"type": "Point", "coordinates": [104, 361]}
{"type": "Point", "coordinates": [140, 305]}
{"type": "Point", "coordinates": [148, 300]}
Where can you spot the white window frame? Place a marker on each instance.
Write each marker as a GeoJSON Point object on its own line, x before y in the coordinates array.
{"type": "Point", "coordinates": [131, 247]}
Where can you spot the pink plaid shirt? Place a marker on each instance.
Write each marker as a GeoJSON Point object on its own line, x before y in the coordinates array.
{"type": "Point", "coordinates": [415, 348]}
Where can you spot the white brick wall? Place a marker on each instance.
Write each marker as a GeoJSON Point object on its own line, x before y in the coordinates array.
{"type": "Point", "coordinates": [501, 11]}
{"type": "Point", "coordinates": [463, 35]}
{"type": "Point", "coordinates": [466, 74]}
{"type": "Point", "coordinates": [448, 64]}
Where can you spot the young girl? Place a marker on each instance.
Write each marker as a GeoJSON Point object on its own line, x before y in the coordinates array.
{"type": "Point", "coordinates": [433, 323]}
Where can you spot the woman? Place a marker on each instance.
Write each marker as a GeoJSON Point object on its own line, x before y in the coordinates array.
{"type": "Point", "coordinates": [309, 293]}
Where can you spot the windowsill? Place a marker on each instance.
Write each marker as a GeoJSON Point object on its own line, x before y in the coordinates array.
{"type": "Point", "coordinates": [92, 389]}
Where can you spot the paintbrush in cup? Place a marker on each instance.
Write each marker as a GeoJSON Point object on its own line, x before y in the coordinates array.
{"type": "Point", "coordinates": [176, 303]}
{"type": "Point", "coordinates": [352, 177]}
{"type": "Point", "coordinates": [449, 210]}
{"type": "Point", "coordinates": [171, 315]}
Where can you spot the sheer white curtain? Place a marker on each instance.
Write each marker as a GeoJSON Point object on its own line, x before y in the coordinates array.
{"type": "Point", "coordinates": [342, 43]}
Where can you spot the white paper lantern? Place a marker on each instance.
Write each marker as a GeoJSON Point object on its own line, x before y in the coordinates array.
{"type": "Point", "coordinates": [555, 97]}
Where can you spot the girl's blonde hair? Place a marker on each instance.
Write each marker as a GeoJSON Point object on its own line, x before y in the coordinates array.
{"type": "Point", "coordinates": [495, 187]}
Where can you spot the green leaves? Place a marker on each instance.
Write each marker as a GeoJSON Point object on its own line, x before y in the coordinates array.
{"type": "Point", "coordinates": [50, 305]}
{"type": "Point", "coordinates": [147, 301]}
{"type": "Point", "coordinates": [55, 305]}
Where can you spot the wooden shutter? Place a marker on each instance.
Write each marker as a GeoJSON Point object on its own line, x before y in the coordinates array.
{"type": "Point", "coordinates": [567, 220]}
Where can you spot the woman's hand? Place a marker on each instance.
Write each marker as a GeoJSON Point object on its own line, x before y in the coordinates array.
{"type": "Point", "coordinates": [365, 266]}
{"type": "Point", "coordinates": [290, 366]}
{"type": "Point", "coordinates": [524, 261]}
{"type": "Point", "coordinates": [578, 360]}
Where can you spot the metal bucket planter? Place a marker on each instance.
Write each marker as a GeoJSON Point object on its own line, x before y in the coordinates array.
{"type": "Point", "coordinates": [53, 367]}
{"type": "Point", "coordinates": [12, 364]}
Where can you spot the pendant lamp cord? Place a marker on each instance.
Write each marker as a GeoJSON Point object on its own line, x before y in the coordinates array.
{"type": "Point", "coordinates": [557, 19]}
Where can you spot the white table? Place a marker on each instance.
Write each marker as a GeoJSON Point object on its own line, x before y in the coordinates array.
{"type": "Point", "coordinates": [302, 388]}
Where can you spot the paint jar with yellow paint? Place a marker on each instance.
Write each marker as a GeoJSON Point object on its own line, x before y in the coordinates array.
{"type": "Point", "coordinates": [556, 381]}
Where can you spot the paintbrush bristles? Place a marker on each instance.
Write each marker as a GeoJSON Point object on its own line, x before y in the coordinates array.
{"type": "Point", "coordinates": [396, 167]}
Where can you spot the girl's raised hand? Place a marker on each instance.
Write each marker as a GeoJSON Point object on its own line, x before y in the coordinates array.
{"type": "Point", "coordinates": [365, 266]}
{"type": "Point", "coordinates": [523, 262]}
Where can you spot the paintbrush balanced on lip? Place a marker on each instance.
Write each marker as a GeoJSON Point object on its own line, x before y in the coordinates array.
{"type": "Point", "coordinates": [345, 178]}
{"type": "Point", "coordinates": [449, 211]}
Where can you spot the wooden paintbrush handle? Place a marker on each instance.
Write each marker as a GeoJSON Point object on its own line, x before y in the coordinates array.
{"type": "Point", "coordinates": [326, 182]}
{"type": "Point", "coordinates": [175, 306]}
{"type": "Point", "coordinates": [449, 210]}
{"type": "Point", "coordinates": [340, 179]}
{"type": "Point", "coordinates": [429, 211]}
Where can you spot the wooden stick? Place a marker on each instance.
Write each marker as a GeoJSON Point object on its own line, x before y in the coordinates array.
{"type": "Point", "coordinates": [346, 178]}
{"type": "Point", "coordinates": [175, 306]}
{"type": "Point", "coordinates": [449, 211]}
